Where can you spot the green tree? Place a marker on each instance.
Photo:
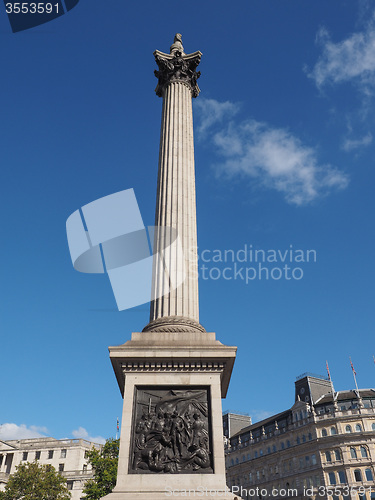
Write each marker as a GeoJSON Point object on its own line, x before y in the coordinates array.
{"type": "Point", "coordinates": [104, 463]}
{"type": "Point", "coordinates": [32, 481]}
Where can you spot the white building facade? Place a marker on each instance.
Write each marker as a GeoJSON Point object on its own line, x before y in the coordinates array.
{"type": "Point", "coordinates": [67, 456]}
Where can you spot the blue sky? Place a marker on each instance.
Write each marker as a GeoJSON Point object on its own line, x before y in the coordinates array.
{"type": "Point", "coordinates": [284, 144]}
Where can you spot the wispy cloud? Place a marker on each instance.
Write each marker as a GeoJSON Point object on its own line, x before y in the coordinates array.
{"type": "Point", "coordinates": [350, 144]}
{"type": "Point", "coordinates": [273, 156]}
{"type": "Point", "coordinates": [12, 431]}
{"type": "Point", "coordinates": [259, 415]}
{"type": "Point", "coordinates": [349, 60]}
{"type": "Point", "coordinates": [81, 433]}
{"type": "Point", "coordinates": [213, 113]}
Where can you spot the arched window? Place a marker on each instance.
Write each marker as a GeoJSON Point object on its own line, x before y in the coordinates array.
{"type": "Point", "coordinates": [237, 460]}
{"type": "Point", "coordinates": [274, 448]}
{"type": "Point", "coordinates": [243, 458]}
{"type": "Point", "coordinates": [328, 457]}
{"type": "Point", "coordinates": [369, 476]}
{"type": "Point", "coordinates": [353, 453]}
{"type": "Point", "coordinates": [324, 432]}
{"type": "Point", "coordinates": [288, 444]}
{"type": "Point", "coordinates": [298, 440]}
{"type": "Point", "coordinates": [269, 449]}
{"type": "Point", "coordinates": [255, 454]}
{"type": "Point", "coordinates": [282, 446]}
{"type": "Point", "coordinates": [342, 477]}
{"type": "Point", "coordinates": [358, 428]}
{"type": "Point", "coordinates": [232, 462]}
{"type": "Point", "coordinates": [260, 452]}
{"type": "Point", "coordinates": [348, 428]}
{"type": "Point", "coordinates": [303, 439]}
{"type": "Point", "coordinates": [248, 456]}
{"type": "Point", "coordinates": [337, 455]}
{"type": "Point", "coordinates": [358, 475]}
{"type": "Point", "coordinates": [313, 459]}
{"type": "Point", "coordinates": [310, 436]}
{"type": "Point", "coordinates": [333, 431]}
{"type": "Point", "coordinates": [363, 452]}
{"type": "Point", "coordinates": [332, 478]}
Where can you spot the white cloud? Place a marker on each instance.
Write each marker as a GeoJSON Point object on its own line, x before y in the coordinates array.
{"type": "Point", "coordinates": [259, 415]}
{"type": "Point", "coordinates": [81, 433]}
{"type": "Point", "coordinates": [350, 144]}
{"type": "Point", "coordinates": [213, 112]}
{"type": "Point", "coordinates": [274, 157]}
{"type": "Point", "coordinates": [12, 431]}
{"type": "Point", "coordinates": [352, 59]}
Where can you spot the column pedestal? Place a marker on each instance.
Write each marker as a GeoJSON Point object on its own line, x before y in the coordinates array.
{"type": "Point", "coordinates": [172, 432]}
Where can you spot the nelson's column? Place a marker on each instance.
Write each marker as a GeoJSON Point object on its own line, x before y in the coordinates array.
{"type": "Point", "coordinates": [173, 374]}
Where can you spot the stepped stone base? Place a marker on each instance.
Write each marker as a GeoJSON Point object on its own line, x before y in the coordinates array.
{"type": "Point", "coordinates": [171, 441]}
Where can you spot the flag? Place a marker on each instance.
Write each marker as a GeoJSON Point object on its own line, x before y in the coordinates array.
{"type": "Point", "coordinates": [118, 425]}
{"type": "Point", "coordinates": [351, 364]}
{"type": "Point", "coordinates": [329, 375]}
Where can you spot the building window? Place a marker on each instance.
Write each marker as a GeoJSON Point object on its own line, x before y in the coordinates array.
{"type": "Point", "coordinates": [342, 477]}
{"type": "Point", "coordinates": [269, 450]}
{"type": "Point", "coordinates": [255, 454]}
{"type": "Point", "coordinates": [303, 439]}
{"type": "Point", "coordinates": [333, 431]}
{"type": "Point", "coordinates": [237, 461]}
{"type": "Point", "coordinates": [248, 456]}
{"type": "Point", "coordinates": [232, 462]}
{"type": "Point", "coordinates": [274, 448]}
{"type": "Point", "coordinates": [348, 429]}
{"type": "Point", "coordinates": [70, 485]}
{"type": "Point", "coordinates": [328, 457]}
{"type": "Point", "coordinates": [353, 453]}
{"type": "Point", "coordinates": [358, 428]}
{"type": "Point", "coordinates": [324, 432]}
{"type": "Point", "coordinates": [260, 452]}
{"type": "Point", "coordinates": [50, 454]}
{"type": "Point", "coordinates": [258, 474]}
{"type": "Point", "coordinates": [373, 426]}
{"type": "Point", "coordinates": [369, 476]}
{"type": "Point", "coordinates": [84, 468]}
{"type": "Point", "coordinates": [363, 452]}
{"type": "Point", "coordinates": [63, 454]}
{"type": "Point", "coordinates": [337, 455]}
{"type": "Point", "coordinates": [313, 459]}
{"type": "Point", "coordinates": [357, 475]}
{"type": "Point", "coordinates": [310, 436]}
{"type": "Point", "coordinates": [250, 477]}
{"type": "Point", "coordinates": [288, 444]}
{"type": "Point", "coordinates": [24, 455]}
{"type": "Point", "coordinates": [282, 445]}
{"type": "Point", "coordinates": [61, 467]}
{"type": "Point", "coordinates": [37, 455]}
{"type": "Point", "coordinates": [332, 478]}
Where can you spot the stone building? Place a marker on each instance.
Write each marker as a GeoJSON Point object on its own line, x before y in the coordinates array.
{"type": "Point", "coordinates": [68, 456]}
{"type": "Point", "coordinates": [323, 446]}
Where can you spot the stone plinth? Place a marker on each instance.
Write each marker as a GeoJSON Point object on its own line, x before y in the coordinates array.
{"type": "Point", "coordinates": [172, 432]}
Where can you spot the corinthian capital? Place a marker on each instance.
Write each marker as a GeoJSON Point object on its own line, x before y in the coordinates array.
{"type": "Point", "coordinates": [177, 67]}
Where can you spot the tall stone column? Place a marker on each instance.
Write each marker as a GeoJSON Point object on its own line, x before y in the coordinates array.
{"type": "Point", "coordinates": [173, 374]}
{"type": "Point", "coordinates": [175, 205]}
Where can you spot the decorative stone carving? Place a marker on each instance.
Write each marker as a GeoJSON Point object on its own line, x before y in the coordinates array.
{"type": "Point", "coordinates": [171, 431]}
{"type": "Point", "coordinates": [177, 67]}
{"type": "Point", "coordinates": [173, 324]}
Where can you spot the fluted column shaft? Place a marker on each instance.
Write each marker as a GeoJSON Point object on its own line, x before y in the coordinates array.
{"type": "Point", "coordinates": [176, 205]}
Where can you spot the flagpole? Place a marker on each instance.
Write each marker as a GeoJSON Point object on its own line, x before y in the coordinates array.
{"type": "Point", "coordinates": [354, 375]}
{"type": "Point", "coordinates": [329, 378]}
